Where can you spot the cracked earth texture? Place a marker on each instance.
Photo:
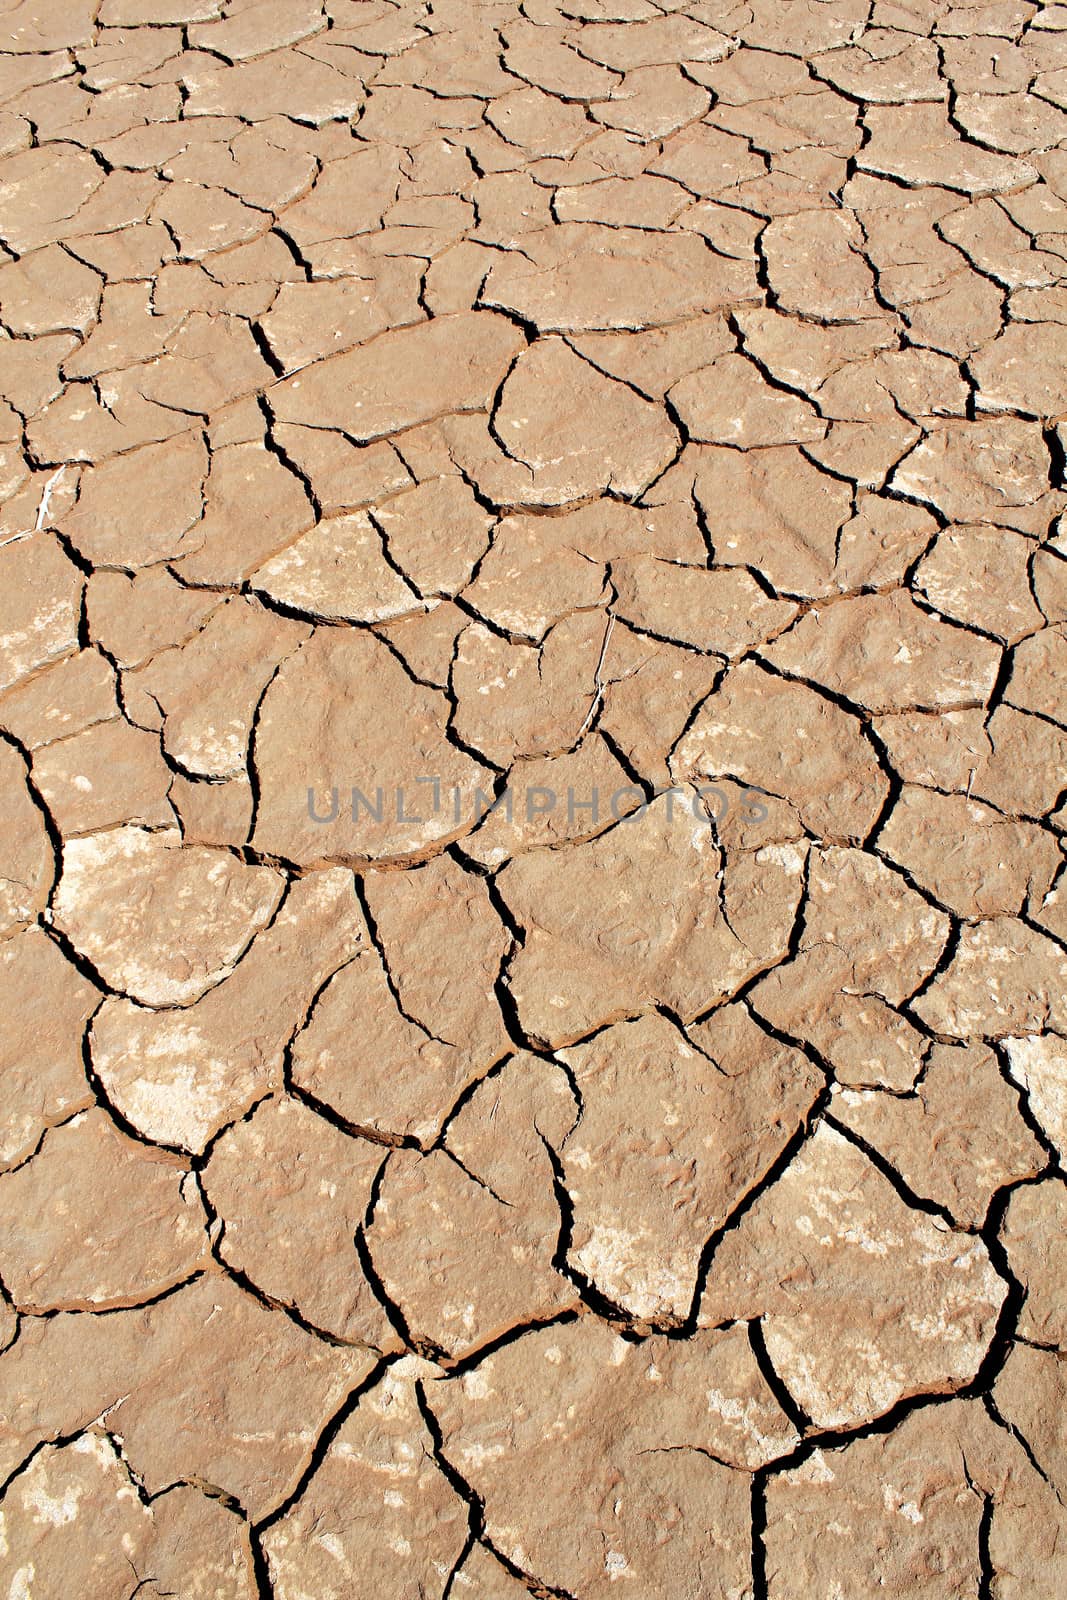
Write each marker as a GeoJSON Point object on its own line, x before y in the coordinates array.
{"type": "Point", "coordinates": [653, 406]}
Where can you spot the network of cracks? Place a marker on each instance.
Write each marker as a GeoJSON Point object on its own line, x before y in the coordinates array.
{"type": "Point", "coordinates": [417, 1191]}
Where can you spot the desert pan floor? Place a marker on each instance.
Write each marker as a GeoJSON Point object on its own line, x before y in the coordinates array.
{"type": "Point", "coordinates": [533, 747]}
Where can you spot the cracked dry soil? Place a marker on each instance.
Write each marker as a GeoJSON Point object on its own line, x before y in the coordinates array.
{"type": "Point", "coordinates": [653, 1188]}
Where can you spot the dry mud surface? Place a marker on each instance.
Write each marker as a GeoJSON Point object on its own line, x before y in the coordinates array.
{"type": "Point", "coordinates": [644, 416]}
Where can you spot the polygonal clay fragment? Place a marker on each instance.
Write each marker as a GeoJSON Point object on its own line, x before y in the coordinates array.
{"type": "Point", "coordinates": [534, 575]}
{"type": "Point", "coordinates": [1016, 374]}
{"type": "Point", "coordinates": [774, 512]}
{"type": "Point", "coordinates": [514, 699]}
{"type": "Point", "coordinates": [725, 611]}
{"type": "Point", "coordinates": [1003, 978]}
{"type": "Point", "coordinates": [588, 279]}
{"type": "Point", "coordinates": [863, 1300]}
{"type": "Point", "coordinates": [279, 1178]}
{"type": "Point", "coordinates": [537, 123]}
{"type": "Point", "coordinates": [342, 474]}
{"type": "Point", "coordinates": [654, 359]}
{"type": "Point", "coordinates": [135, 616]}
{"type": "Point", "coordinates": [74, 694]}
{"type": "Point", "coordinates": [634, 918]}
{"type": "Point", "coordinates": [669, 1142]}
{"type": "Point", "coordinates": [338, 774]}
{"type": "Point", "coordinates": [980, 576]}
{"type": "Point", "coordinates": [40, 603]}
{"type": "Point", "coordinates": [205, 1384]}
{"type": "Point", "coordinates": [309, 321]}
{"type": "Point", "coordinates": [392, 1047]}
{"type": "Point", "coordinates": [160, 922]}
{"type": "Point", "coordinates": [1024, 765]}
{"type": "Point", "coordinates": [917, 145]}
{"type": "Point", "coordinates": [1029, 1393]}
{"type": "Point", "coordinates": [816, 267]}
{"type": "Point", "coordinates": [95, 1220]}
{"type": "Point", "coordinates": [578, 431]}
{"type": "Point", "coordinates": [551, 800]}
{"type": "Point", "coordinates": [107, 775]}
{"type": "Point", "coordinates": [257, 29]}
{"type": "Point", "coordinates": [378, 1509]}
{"type": "Point", "coordinates": [941, 750]}
{"type": "Point", "coordinates": [968, 856]}
{"type": "Point", "coordinates": [338, 571]}
{"type": "Point", "coordinates": [709, 162]}
{"type": "Point", "coordinates": [27, 864]}
{"type": "Point", "coordinates": [957, 1140]}
{"type": "Point", "coordinates": [652, 102]}
{"type": "Point", "coordinates": [255, 90]}
{"type": "Point", "coordinates": [882, 651]}
{"type": "Point", "coordinates": [832, 779]}
{"type": "Point", "coordinates": [651, 689]}
{"type": "Point", "coordinates": [449, 364]}
{"type": "Point", "coordinates": [495, 1198]}
{"type": "Point", "coordinates": [1033, 1233]}
{"type": "Point", "coordinates": [578, 1441]}
{"type": "Point", "coordinates": [211, 812]}
{"type": "Point", "coordinates": [730, 403]}
{"type": "Point", "coordinates": [48, 290]}
{"type": "Point", "coordinates": [803, 355]}
{"type": "Point", "coordinates": [47, 1002]}
{"type": "Point", "coordinates": [464, 1266]}
{"type": "Point", "coordinates": [1017, 123]}
{"type": "Point", "coordinates": [112, 523]}
{"type": "Point", "coordinates": [1039, 674]}
{"type": "Point", "coordinates": [869, 941]}
{"type": "Point", "coordinates": [435, 534]}
{"type": "Point", "coordinates": [979, 471]}
{"type": "Point", "coordinates": [880, 543]}
{"type": "Point", "coordinates": [907, 1508]}
{"type": "Point", "coordinates": [35, 213]}
{"type": "Point", "coordinates": [75, 1516]}
{"type": "Point", "coordinates": [203, 694]}
{"type": "Point", "coordinates": [179, 1076]}
{"type": "Point", "coordinates": [253, 506]}
{"type": "Point", "coordinates": [1038, 1064]}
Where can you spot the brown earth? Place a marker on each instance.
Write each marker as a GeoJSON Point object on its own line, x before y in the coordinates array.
{"type": "Point", "coordinates": [533, 745]}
